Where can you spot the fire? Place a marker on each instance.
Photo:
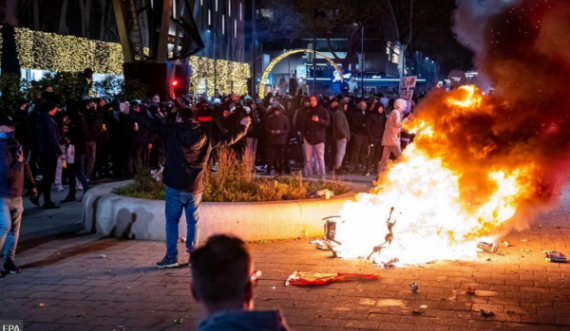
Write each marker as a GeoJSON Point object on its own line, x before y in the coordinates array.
{"type": "Point", "coordinates": [440, 204]}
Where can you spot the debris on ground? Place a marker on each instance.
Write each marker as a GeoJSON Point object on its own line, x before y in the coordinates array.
{"type": "Point", "coordinates": [389, 264]}
{"type": "Point", "coordinates": [488, 247]}
{"type": "Point", "coordinates": [470, 290]}
{"type": "Point", "coordinates": [181, 240]}
{"type": "Point", "coordinates": [179, 321]}
{"type": "Point", "coordinates": [414, 287]}
{"type": "Point", "coordinates": [417, 312]}
{"type": "Point", "coordinates": [524, 240]}
{"type": "Point", "coordinates": [487, 313]}
{"type": "Point", "coordinates": [102, 256]}
{"type": "Point", "coordinates": [326, 194]}
{"type": "Point", "coordinates": [80, 315]}
{"type": "Point", "coordinates": [555, 257]}
{"type": "Point", "coordinates": [299, 278]}
{"type": "Point", "coordinates": [41, 305]}
{"type": "Point", "coordinates": [506, 243]}
{"type": "Point", "coordinates": [510, 312]}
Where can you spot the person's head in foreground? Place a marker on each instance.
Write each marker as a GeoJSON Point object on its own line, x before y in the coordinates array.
{"type": "Point", "coordinates": [223, 281]}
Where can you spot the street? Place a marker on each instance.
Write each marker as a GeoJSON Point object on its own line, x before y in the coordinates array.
{"type": "Point", "coordinates": [79, 281]}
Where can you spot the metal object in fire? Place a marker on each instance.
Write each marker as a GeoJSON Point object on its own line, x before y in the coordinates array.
{"type": "Point", "coordinates": [488, 247]}
{"type": "Point", "coordinates": [414, 287]}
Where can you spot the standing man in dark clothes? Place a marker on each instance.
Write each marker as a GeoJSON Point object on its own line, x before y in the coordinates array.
{"type": "Point", "coordinates": [140, 149]}
{"type": "Point", "coordinates": [298, 125]}
{"type": "Point", "coordinates": [293, 85]}
{"type": "Point", "coordinates": [277, 127]}
{"type": "Point", "coordinates": [375, 125]}
{"type": "Point", "coordinates": [330, 146]}
{"type": "Point", "coordinates": [359, 137]}
{"type": "Point", "coordinates": [13, 171]}
{"type": "Point", "coordinates": [21, 122]}
{"type": "Point", "coordinates": [94, 129]}
{"type": "Point", "coordinates": [77, 132]}
{"type": "Point", "coordinates": [48, 134]}
{"type": "Point", "coordinates": [344, 88]}
{"type": "Point", "coordinates": [341, 134]}
{"type": "Point", "coordinates": [315, 122]}
{"type": "Point", "coordinates": [188, 147]}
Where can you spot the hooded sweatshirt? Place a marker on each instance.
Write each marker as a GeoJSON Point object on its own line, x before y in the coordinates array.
{"type": "Point", "coordinates": [394, 124]}
{"type": "Point", "coordinates": [340, 126]}
{"type": "Point", "coordinates": [188, 147]}
{"type": "Point", "coordinates": [239, 320]}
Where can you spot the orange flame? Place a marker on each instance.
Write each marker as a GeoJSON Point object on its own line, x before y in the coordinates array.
{"type": "Point", "coordinates": [443, 203]}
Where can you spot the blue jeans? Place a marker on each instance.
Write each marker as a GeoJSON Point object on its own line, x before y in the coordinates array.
{"type": "Point", "coordinates": [176, 201]}
{"type": "Point", "coordinates": [11, 210]}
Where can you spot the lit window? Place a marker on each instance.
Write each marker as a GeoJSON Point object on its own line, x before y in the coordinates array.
{"type": "Point", "coordinates": [241, 11]}
{"type": "Point", "coordinates": [235, 28]}
{"type": "Point", "coordinates": [223, 24]}
{"type": "Point", "coordinates": [229, 8]}
{"type": "Point", "coordinates": [209, 17]}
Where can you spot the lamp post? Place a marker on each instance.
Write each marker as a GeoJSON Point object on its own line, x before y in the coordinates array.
{"type": "Point", "coordinates": [253, 49]}
{"type": "Point", "coordinates": [363, 64]}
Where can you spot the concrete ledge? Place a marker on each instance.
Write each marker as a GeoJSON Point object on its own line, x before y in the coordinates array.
{"type": "Point", "coordinates": [130, 218]}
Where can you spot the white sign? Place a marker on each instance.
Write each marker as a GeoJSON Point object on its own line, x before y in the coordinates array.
{"type": "Point", "coordinates": [408, 82]}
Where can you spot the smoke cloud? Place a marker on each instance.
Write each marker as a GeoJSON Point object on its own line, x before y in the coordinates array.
{"type": "Point", "coordinates": [523, 47]}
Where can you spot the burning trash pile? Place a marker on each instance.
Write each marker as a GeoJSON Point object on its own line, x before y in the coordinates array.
{"type": "Point", "coordinates": [479, 165]}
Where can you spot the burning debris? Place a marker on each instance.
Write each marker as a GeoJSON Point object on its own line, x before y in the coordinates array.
{"type": "Point", "coordinates": [299, 278]}
{"type": "Point", "coordinates": [479, 164]}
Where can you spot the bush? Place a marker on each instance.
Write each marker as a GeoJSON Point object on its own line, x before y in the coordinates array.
{"type": "Point", "coordinates": [11, 89]}
{"type": "Point", "coordinates": [235, 181]}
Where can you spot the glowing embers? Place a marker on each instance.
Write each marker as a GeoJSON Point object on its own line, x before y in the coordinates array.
{"type": "Point", "coordinates": [467, 98]}
{"type": "Point", "coordinates": [431, 205]}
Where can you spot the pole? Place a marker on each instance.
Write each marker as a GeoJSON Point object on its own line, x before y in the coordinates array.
{"type": "Point", "coordinates": [215, 65]}
{"type": "Point", "coordinates": [362, 65]}
{"type": "Point", "coordinates": [253, 50]}
{"type": "Point", "coordinates": [315, 55]}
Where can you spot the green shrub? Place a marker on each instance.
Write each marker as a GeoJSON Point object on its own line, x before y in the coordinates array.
{"type": "Point", "coordinates": [235, 181]}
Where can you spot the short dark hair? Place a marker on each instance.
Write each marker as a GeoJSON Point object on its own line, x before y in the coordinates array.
{"type": "Point", "coordinates": [185, 114]}
{"type": "Point", "coordinates": [221, 269]}
{"type": "Point", "coordinates": [49, 106]}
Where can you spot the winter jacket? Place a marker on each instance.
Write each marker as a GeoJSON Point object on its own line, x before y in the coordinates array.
{"type": "Point", "coordinates": [12, 172]}
{"type": "Point", "coordinates": [48, 134]}
{"type": "Point", "coordinates": [188, 147]}
{"type": "Point", "coordinates": [78, 133]}
{"type": "Point", "coordinates": [315, 132]}
{"type": "Point", "coordinates": [393, 127]}
{"type": "Point", "coordinates": [340, 126]}
{"type": "Point", "coordinates": [358, 122]}
{"type": "Point", "coordinates": [298, 119]}
{"type": "Point", "coordinates": [375, 125]}
{"type": "Point", "coordinates": [238, 320]}
{"type": "Point", "coordinates": [93, 124]}
{"type": "Point", "coordinates": [280, 123]}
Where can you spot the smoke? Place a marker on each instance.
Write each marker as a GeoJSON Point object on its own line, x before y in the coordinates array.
{"type": "Point", "coordinates": [523, 47]}
{"type": "Point", "coordinates": [472, 16]}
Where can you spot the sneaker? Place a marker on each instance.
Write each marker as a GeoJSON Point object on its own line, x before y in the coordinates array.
{"type": "Point", "coordinates": [60, 189]}
{"type": "Point", "coordinates": [366, 173]}
{"type": "Point", "coordinates": [167, 263]}
{"type": "Point", "coordinates": [51, 205]}
{"type": "Point", "coordinates": [10, 267]}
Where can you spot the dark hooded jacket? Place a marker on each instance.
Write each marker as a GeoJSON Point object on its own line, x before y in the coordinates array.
{"type": "Point", "coordinates": [188, 147]}
{"type": "Point", "coordinates": [12, 172]}
{"type": "Point", "coordinates": [315, 132]}
{"type": "Point", "coordinates": [340, 126]}
{"type": "Point", "coordinates": [237, 320]}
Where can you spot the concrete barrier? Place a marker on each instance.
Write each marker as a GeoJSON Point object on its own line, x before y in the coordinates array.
{"type": "Point", "coordinates": [130, 218]}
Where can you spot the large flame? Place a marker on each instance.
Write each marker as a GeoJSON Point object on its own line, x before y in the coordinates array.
{"type": "Point", "coordinates": [438, 214]}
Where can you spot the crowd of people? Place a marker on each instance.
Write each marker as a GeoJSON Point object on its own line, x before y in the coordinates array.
{"type": "Point", "coordinates": [80, 142]}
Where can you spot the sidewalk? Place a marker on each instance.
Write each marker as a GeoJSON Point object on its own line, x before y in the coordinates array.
{"type": "Point", "coordinates": [78, 281]}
